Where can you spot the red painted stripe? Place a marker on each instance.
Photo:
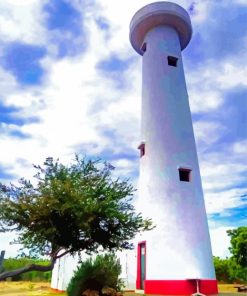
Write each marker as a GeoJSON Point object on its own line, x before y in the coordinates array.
{"type": "Point", "coordinates": [180, 287]}
{"type": "Point", "coordinates": [209, 285]}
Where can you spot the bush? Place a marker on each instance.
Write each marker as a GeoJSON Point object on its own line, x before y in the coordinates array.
{"type": "Point", "coordinates": [222, 269]}
{"type": "Point", "coordinates": [229, 271]}
{"type": "Point", "coordinates": [238, 274]}
{"type": "Point", "coordinates": [96, 274]}
{"type": "Point", "coordinates": [15, 263]}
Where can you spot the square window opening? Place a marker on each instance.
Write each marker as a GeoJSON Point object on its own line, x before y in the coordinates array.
{"type": "Point", "coordinates": [142, 149]}
{"type": "Point", "coordinates": [184, 175]}
{"type": "Point", "coordinates": [172, 61]}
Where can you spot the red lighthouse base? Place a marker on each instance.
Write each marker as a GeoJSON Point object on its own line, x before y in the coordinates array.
{"type": "Point", "coordinates": [180, 287]}
{"type": "Point", "coordinates": [170, 287]}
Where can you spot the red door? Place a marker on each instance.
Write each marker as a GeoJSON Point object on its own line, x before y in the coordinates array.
{"type": "Point", "coordinates": [141, 265]}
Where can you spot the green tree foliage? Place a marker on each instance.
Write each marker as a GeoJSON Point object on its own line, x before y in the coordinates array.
{"type": "Point", "coordinates": [239, 245]}
{"type": "Point", "coordinates": [222, 269]}
{"type": "Point", "coordinates": [234, 269]}
{"type": "Point", "coordinates": [237, 272]}
{"type": "Point", "coordinates": [228, 271]}
{"type": "Point", "coordinates": [16, 263]}
{"type": "Point", "coordinates": [79, 207]}
{"type": "Point", "coordinates": [96, 274]}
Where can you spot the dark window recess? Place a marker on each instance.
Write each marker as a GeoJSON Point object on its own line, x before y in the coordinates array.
{"type": "Point", "coordinates": [144, 47]}
{"type": "Point", "coordinates": [172, 61]}
{"type": "Point", "coordinates": [142, 149]}
{"type": "Point", "coordinates": [185, 175]}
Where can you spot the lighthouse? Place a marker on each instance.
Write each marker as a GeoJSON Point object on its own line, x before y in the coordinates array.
{"type": "Point", "coordinates": [175, 257]}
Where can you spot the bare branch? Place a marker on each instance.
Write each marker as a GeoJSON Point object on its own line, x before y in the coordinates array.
{"type": "Point", "coordinates": [30, 267]}
{"type": "Point", "coordinates": [61, 255]}
{"type": "Point", "coordinates": [35, 267]}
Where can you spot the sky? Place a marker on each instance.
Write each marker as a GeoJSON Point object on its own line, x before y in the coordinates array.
{"type": "Point", "coordinates": [70, 82]}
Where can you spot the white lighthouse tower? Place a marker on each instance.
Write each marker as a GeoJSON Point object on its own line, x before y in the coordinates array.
{"type": "Point", "coordinates": [174, 258]}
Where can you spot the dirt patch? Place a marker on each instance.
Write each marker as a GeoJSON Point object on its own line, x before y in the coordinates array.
{"type": "Point", "coordinates": [43, 289]}
{"type": "Point", "coordinates": [227, 288]}
{"type": "Point", "coordinates": [27, 289]}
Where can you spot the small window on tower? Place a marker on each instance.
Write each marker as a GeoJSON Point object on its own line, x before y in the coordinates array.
{"type": "Point", "coordinates": [144, 47]}
{"type": "Point", "coordinates": [142, 149]}
{"type": "Point", "coordinates": [184, 175]}
{"type": "Point", "coordinates": [172, 61]}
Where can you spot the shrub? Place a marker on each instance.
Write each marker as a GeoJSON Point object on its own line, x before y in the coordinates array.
{"type": "Point", "coordinates": [96, 274]}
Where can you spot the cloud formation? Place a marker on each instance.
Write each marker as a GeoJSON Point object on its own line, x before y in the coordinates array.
{"type": "Point", "coordinates": [70, 82]}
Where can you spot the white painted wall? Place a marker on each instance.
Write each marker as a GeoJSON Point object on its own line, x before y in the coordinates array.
{"type": "Point", "coordinates": [63, 271]}
{"type": "Point", "coordinates": [179, 247]}
{"type": "Point", "coordinates": [66, 266]}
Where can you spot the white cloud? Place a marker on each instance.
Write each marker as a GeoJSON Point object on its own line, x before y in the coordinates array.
{"type": "Point", "coordinates": [242, 2]}
{"type": "Point", "coordinates": [205, 94]}
{"type": "Point", "coordinates": [217, 175]}
{"type": "Point", "coordinates": [207, 133]}
{"type": "Point", "coordinates": [224, 178]}
{"type": "Point", "coordinates": [220, 241]}
{"type": "Point", "coordinates": [201, 13]}
{"type": "Point", "coordinates": [11, 250]}
{"type": "Point", "coordinates": [8, 84]}
{"type": "Point", "coordinates": [77, 103]}
{"type": "Point", "coordinates": [21, 21]}
{"type": "Point", "coordinates": [73, 87]}
{"type": "Point", "coordinates": [209, 82]}
{"type": "Point", "coordinates": [239, 148]}
{"type": "Point", "coordinates": [232, 75]}
{"type": "Point", "coordinates": [220, 202]}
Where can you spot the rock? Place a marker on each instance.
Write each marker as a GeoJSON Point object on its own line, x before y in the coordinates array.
{"type": "Point", "coordinates": [109, 291]}
{"type": "Point", "coordinates": [89, 292]}
{"type": "Point", "coordinates": [242, 289]}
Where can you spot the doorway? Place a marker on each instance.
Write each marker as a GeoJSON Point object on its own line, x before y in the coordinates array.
{"type": "Point", "coordinates": [141, 264]}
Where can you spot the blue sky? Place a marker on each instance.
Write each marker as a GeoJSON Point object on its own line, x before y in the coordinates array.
{"type": "Point", "coordinates": [71, 83]}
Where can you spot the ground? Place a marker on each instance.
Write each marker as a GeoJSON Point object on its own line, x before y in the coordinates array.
{"type": "Point", "coordinates": [27, 289]}
{"type": "Point", "coordinates": [43, 289]}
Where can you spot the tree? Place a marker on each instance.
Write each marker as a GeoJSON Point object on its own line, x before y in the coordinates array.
{"type": "Point", "coordinates": [74, 208]}
{"type": "Point", "coordinates": [234, 269]}
{"type": "Point", "coordinates": [228, 271]}
{"type": "Point", "coordinates": [239, 245]}
{"type": "Point", "coordinates": [222, 269]}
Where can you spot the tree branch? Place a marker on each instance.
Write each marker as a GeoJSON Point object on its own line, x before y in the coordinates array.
{"type": "Point", "coordinates": [34, 267]}
{"type": "Point", "coordinates": [30, 267]}
{"type": "Point", "coordinates": [61, 255]}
